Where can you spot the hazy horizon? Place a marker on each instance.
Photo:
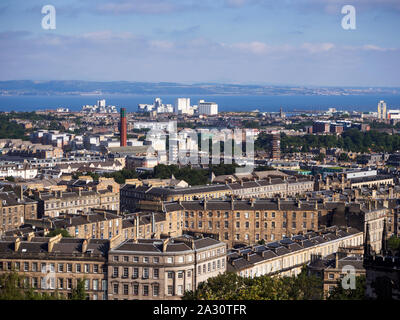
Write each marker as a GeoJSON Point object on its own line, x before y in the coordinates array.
{"type": "Point", "coordinates": [283, 43]}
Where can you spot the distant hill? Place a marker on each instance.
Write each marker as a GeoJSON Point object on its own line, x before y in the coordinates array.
{"type": "Point", "coordinates": [76, 87]}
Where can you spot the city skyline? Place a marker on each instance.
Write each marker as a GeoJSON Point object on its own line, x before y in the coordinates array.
{"type": "Point", "coordinates": [232, 41]}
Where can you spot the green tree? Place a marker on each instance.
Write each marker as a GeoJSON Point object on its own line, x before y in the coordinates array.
{"type": "Point", "coordinates": [56, 232]}
{"type": "Point", "coordinates": [305, 287]}
{"type": "Point", "coordinates": [393, 243]}
{"type": "Point", "coordinates": [10, 287]}
{"type": "Point", "coordinates": [339, 293]}
{"type": "Point", "coordinates": [319, 157]}
{"type": "Point", "coordinates": [343, 157]}
{"type": "Point", "coordinates": [79, 293]}
{"type": "Point", "coordinates": [230, 286]}
{"type": "Point", "coordinates": [13, 287]}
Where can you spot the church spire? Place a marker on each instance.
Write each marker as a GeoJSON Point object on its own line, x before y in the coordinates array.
{"type": "Point", "coordinates": [384, 237]}
{"type": "Point", "coordinates": [367, 242]}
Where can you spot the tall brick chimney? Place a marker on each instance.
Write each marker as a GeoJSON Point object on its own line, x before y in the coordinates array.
{"type": "Point", "coordinates": [123, 128]}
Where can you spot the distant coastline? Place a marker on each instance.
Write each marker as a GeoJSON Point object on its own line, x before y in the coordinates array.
{"type": "Point", "coordinates": [266, 103]}
{"type": "Point", "coordinates": [84, 88]}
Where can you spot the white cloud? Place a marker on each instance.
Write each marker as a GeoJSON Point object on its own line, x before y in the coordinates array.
{"type": "Point", "coordinates": [317, 47]}
{"type": "Point", "coordinates": [236, 3]}
{"type": "Point", "coordinates": [107, 35]}
{"type": "Point", "coordinates": [161, 44]}
{"type": "Point", "coordinates": [137, 6]}
{"type": "Point", "coordinates": [371, 47]}
{"type": "Point", "coordinates": [253, 47]}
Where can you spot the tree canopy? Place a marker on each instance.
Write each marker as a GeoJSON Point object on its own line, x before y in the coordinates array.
{"type": "Point", "coordinates": [230, 286]}
{"type": "Point", "coordinates": [13, 287]}
{"type": "Point", "coordinates": [351, 140]}
{"type": "Point", "coordinates": [339, 293]}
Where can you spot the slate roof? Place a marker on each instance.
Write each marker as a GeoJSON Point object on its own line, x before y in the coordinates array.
{"type": "Point", "coordinates": [239, 259]}
{"type": "Point", "coordinates": [257, 204]}
{"type": "Point", "coordinates": [66, 246]}
{"type": "Point", "coordinates": [178, 244]}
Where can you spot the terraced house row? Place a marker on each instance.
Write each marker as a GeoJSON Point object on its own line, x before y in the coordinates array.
{"type": "Point", "coordinates": [53, 204]}
{"type": "Point", "coordinates": [238, 222]}
{"type": "Point", "coordinates": [133, 269]}
{"type": "Point", "coordinates": [138, 197]}
{"type": "Point", "coordinates": [288, 256]}
{"type": "Point", "coordinates": [248, 221]}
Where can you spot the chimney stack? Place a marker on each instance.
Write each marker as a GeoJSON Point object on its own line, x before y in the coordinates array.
{"type": "Point", "coordinates": [153, 223]}
{"type": "Point", "coordinates": [137, 227]}
{"type": "Point", "coordinates": [17, 243]}
{"type": "Point", "coordinates": [165, 243]}
{"type": "Point", "coordinates": [20, 192]}
{"type": "Point", "coordinates": [123, 128]}
{"type": "Point", "coordinates": [52, 241]}
{"type": "Point", "coordinates": [30, 236]}
{"type": "Point", "coordinates": [337, 260]}
{"type": "Point", "coordinates": [390, 192]}
{"type": "Point", "coordinates": [84, 246]}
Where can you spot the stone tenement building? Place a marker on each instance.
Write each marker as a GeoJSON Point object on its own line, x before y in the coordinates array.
{"type": "Point", "coordinates": [14, 209]}
{"type": "Point", "coordinates": [106, 224]}
{"type": "Point", "coordinates": [162, 269]}
{"type": "Point", "coordinates": [54, 204]}
{"type": "Point", "coordinates": [248, 221]}
{"type": "Point", "coordinates": [148, 197]}
{"type": "Point", "coordinates": [96, 224]}
{"type": "Point", "coordinates": [360, 215]}
{"type": "Point", "coordinates": [287, 256]}
{"type": "Point", "coordinates": [334, 267]}
{"type": "Point", "coordinates": [239, 222]}
{"type": "Point", "coordinates": [50, 264]}
{"type": "Point", "coordinates": [144, 225]}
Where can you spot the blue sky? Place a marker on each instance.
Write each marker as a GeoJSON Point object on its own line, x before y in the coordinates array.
{"type": "Point", "coordinates": [295, 42]}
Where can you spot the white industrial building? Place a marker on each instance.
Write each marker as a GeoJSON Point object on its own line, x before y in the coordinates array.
{"type": "Point", "coordinates": [208, 108]}
{"type": "Point", "coordinates": [182, 106]}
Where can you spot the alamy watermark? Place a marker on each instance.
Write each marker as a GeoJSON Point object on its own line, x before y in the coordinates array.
{"type": "Point", "coordinates": [349, 278]}
{"type": "Point", "coordinates": [349, 20]}
{"type": "Point", "coordinates": [49, 20]}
